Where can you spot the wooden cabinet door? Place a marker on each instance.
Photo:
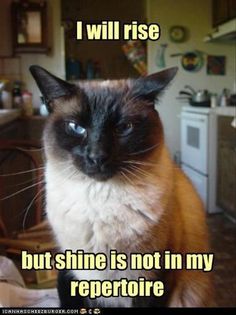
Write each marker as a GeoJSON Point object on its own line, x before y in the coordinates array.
{"type": "Point", "coordinates": [220, 11]}
{"type": "Point", "coordinates": [226, 170]}
{"type": "Point", "coordinates": [232, 9]}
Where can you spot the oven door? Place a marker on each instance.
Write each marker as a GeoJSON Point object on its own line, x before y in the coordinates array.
{"type": "Point", "coordinates": [194, 141]}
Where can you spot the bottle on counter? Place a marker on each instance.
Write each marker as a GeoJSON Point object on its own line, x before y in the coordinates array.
{"type": "Point", "coordinates": [43, 107]}
{"type": "Point", "coordinates": [27, 105]}
{"type": "Point", "coordinates": [73, 69]}
{"type": "Point", "coordinates": [5, 95]}
{"type": "Point", "coordinates": [224, 98]}
{"type": "Point", "coordinates": [90, 70]}
{"type": "Point", "coordinates": [17, 95]}
{"type": "Point", "coordinates": [6, 99]}
{"type": "Point", "coordinates": [1, 87]}
{"type": "Point", "coordinates": [98, 71]}
{"type": "Point", "coordinates": [213, 100]}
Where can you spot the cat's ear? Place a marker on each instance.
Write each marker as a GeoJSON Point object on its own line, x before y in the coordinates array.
{"type": "Point", "coordinates": [150, 86]}
{"type": "Point", "coordinates": [50, 86]}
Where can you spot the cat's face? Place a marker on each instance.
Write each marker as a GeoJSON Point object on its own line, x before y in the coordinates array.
{"type": "Point", "coordinates": [105, 129]}
{"type": "Point", "coordinates": [103, 126]}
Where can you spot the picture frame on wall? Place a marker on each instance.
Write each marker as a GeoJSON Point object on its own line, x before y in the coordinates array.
{"type": "Point", "coordinates": [29, 27]}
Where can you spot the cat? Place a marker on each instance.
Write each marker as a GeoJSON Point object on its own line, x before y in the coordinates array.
{"type": "Point", "coordinates": [111, 184]}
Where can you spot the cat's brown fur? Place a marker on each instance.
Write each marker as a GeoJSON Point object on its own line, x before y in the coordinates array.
{"type": "Point", "coordinates": [182, 229]}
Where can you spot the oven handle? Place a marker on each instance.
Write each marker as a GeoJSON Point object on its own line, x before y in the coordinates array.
{"type": "Point", "coordinates": [192, 118]}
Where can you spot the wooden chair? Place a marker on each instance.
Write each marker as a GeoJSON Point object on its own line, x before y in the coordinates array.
{"type": "Point", "coordinates": [23, 156]}
{"type": "Point", "coordinates": [36, 235]}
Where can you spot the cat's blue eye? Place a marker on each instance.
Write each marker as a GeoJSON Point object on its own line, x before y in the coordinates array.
{"type": "Point", "coordinates": [124, 129]}
{"type": "Point", "coordinates": [74, 129]}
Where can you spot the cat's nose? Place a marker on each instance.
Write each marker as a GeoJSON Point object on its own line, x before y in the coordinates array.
{"type": "Point", "coordinates": [98, 157]}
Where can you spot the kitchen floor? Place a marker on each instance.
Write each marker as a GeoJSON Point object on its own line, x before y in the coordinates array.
{"type": "Point", "coordinates": [223, 245]}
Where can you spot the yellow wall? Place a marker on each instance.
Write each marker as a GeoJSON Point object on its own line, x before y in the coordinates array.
{"type": "Point", "coordinates": [196, 16]}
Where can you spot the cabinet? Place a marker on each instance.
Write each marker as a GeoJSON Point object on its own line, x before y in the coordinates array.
{"type": "Point", "coordinates": [223, 10]}
{"type": "Point", "coordinates": [107, 56]}
{"type": "Point", "coordinates": [226, 179]}
{"type": "Point", "coordinates": [232, 9]}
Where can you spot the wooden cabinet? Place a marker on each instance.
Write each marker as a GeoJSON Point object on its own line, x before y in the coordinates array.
{"type": "Point", "coordinates": [232, 9]}
{"type": "Point", "coordinates": [226, 179]}
{"type": "Point", "coordinates": [223, 10]}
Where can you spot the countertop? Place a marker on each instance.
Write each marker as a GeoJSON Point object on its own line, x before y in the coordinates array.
{"type": "Point", "coordinates": [226, 111]}
{"type": "Point", "coordinates": [222, 111]}
{"type": "Point", "coordinates": [8, 115]}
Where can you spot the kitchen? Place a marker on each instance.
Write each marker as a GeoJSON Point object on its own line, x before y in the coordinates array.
{"type": "Point", "coordinates": [200, 138]}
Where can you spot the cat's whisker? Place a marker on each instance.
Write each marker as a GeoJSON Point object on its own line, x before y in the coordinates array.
{"type": "Point", "coordinates": [128, 179]}
{"type": "Point", "coordinates": [59, 163]}
{"type": "Point", "coordinates": [43, 204]}
{"type": "Point", "coordinates": [74, 172]}
{"type": "Point", "coordinates": [28, 181]}
{"type": "Point", "coordinates": [23, 172]}
{"type": "Point", "coordinates": [148, 164]}
{"type": "Point", "coordinates": [133, 185]}
{"type": "Point", "coordinates": [47, 146]}
{"type": "Point", "coordinates": [22, 190]}
{"type": "Point", "coordinates": [41, 180]}
{"type": "Point", "coordinates": [134, 170]}
{"type": "Point", "coordinates": [41, 167]}
{"type": "Point", "coordinates": [30, 205]}
{"type": "Point", "coordinates": [29, 150]}
{"type": "Point", "coordinates": [145, 150]}
{"type": "Point", "coordinates": [132, 173]}
{"type": "Point", "coordinates": [38, 195]}
{"type": "Point", "coordinates": [65, 170]}
{"type": "Point", "coordinates": [140, 163]}
{"type": "Point", "coordinates": [156, 164]}
{"type": "Point", "coordinates": [136, 190]}
{"type": "Point", "coordinates": [140, 171]}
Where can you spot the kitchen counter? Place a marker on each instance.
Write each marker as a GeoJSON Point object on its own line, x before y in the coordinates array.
{"type": "Point", "coordinates": [221, 111]}
{"type": "Point", "coordinates": [13, 126]}
{"type": "Point", "coordinates": [226, 111]}
{"type": "Point", "coordinates": [8, 115]}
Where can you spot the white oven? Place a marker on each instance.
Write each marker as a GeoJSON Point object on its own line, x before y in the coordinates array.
{"type": "Point", "coordinates": [198, 152]}
{"type": "Point", "coordinates": [194, 140]}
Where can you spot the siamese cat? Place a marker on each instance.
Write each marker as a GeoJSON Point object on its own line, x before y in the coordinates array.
{"type": "Point", "coordinates": [111, 184]}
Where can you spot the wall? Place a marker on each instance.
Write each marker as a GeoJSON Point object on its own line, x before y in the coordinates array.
{"type": "Point", "coordinates": [196, 16]}
{"type": "Point", "coordinates": [53, 62]}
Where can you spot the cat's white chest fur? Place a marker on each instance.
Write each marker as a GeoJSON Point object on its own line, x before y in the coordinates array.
{"type": "Point", "coordinates": [98, 216]}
